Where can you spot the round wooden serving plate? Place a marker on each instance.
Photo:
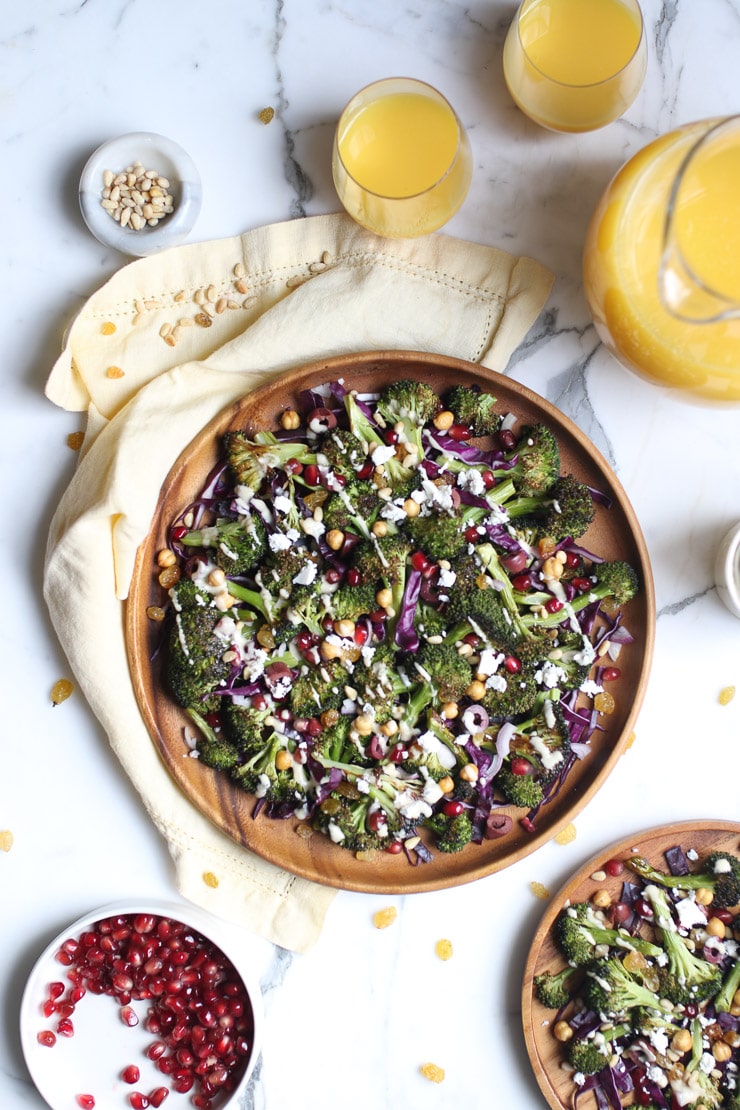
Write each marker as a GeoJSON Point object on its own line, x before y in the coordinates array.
{"type": "Point", "coordinates": [614, 534]}
{"type": "Point", "coordinates": [545, 1053]}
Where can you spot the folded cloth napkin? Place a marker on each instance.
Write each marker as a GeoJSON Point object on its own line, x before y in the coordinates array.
{"type": "Point", "coordinates": [152, 356]}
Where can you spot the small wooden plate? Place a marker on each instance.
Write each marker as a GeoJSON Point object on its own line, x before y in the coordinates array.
{"type": "Point", "coordinates": [545, 1053]}
{"type": "Point", "coordinates": [615, 534]}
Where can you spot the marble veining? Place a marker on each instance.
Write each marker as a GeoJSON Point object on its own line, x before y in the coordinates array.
{"type": "Point", "coordinates": [350, 1022]}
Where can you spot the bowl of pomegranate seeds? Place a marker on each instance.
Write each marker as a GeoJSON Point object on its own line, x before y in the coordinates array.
{"type": "Point", "coordinates": [134, 1005]}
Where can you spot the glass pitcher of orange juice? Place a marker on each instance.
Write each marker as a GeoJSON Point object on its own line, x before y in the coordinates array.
{"type": "Point", "coordinates": [662, 261]}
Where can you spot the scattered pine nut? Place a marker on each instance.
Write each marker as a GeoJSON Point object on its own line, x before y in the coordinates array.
{"type": "Point", "coordinates": [241, 286]}
{"type": "Point", "coordinates": [566, 835]}
{"type": "Point", "coordinates": [239, 271]}
{"type": "Point", "coordinates": [433, 1072]}
{"type": "Point", "coordinates": [203, 320]}
{"type": "Point", "coordinates": [210, 879]}
{"type": "Point", "coordinates": [540, 891]}
{"type": "Point", "coordinates": [383, 918]}
{"type": "Point", "coordinates": [75, 440]}
{"type": "Point", "coordinates": [726, 695]}
{"type": "Point", "coordinates": [61, 690]}
{"type": "Point", "coordinates": [599, 876]}
{"type": "Point", "coordinates": [266, 115]}
{"type": "Point", "coordinates": [295, 281]}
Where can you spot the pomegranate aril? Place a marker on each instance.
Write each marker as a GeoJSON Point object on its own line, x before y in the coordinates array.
{"type": "Point", "coordinates": [131, 1074]}
{"type": "Point", "coordinates": [129, 1016]}
{"type": "Point", "coordinates": [521, 766]}
{"type": "Point", "coordinates": [139, 1101]}
{"type": "Point", "coordinates": [49, 1007]}
{"type": "Point", "coordinates": [183, 1083]}
{"type": "Point", "coordinates": [158, 1095]}
{"type": "Point", "coordinates": [46, 1038]}
{"type": "Point", "coordinates": [85, 1102]}
{"type": "Point", "coordinates": [65, 1028]}
{"type": "Point", "coordinates": [610, 674]}
{"type": "Point", "coordinates": [56, 989]}
{"type": "Point", "coordinates": [614, 867]}
{"type": "Point", "coordinates": [452, 808]}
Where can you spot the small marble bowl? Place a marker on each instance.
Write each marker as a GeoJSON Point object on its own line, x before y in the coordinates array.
{"type": "Point", "coordinates": [96, 1052]}
{"type": "Point", "coordinates": [727, 570]}
{"type": "Point", "coordinates": [155, 152]}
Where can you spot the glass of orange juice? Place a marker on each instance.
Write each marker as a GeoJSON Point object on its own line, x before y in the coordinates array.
{"type": "Point", "coordinates": [575, 65]}
{"type": "Point", "coordinates": [402, 163]}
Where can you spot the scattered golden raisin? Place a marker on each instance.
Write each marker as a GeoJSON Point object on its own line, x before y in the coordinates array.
{"type": "Point", "coordinates": [443, 949]}
{"type": "Point", "coordinates": [75, 440]}
{"type": "Point", "coordinates": [566, 835]}
{"type": "Point", "coordinates": [61, 690]}
{"type": "Point", "coordinates": [6, 840]}
{"type": "Point", "coordinates": [155, 613]}
{"type": "Point", "coordinates": [433, 1072]}
{"type": "Point", "coordinates": [266, 115]}
{"type": "Point", "coordinates": [114, 372]}
{"type": "Point", "coordinates": [366, 855]}
{"type": "Point", "coordinates": [210, 879]}
{"type": "Point", "coordinates": [604, 702]}
{"type": "Point", "coordinates": [383, 918]}
{"type": "Point", "coordinates": [726, 695]}
{"type": "Point", "coordinates": [169, 577]}
{"type": "Point", "coordinates": [108, 328]}
{"type": "Point", "coordinates": [540, 891]}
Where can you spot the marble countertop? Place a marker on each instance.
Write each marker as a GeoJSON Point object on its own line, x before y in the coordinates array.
{"type": "Point", "coordinates": [75, 74]}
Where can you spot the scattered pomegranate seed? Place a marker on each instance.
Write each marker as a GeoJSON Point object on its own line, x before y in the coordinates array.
{"type": "Point", "coordinates": [521, 766]}
{"type": "Point", "coordinates": [311, 474]}
{"type": "Point", "coordinates": [583, 585]}
{"type": "Point", "coordinates": [512, 664]}
{"type": "Point", "coordinates": [522, 583]}
{"type": "Point", "coordinates": [49, 1007]}
{"type": "Point", "coordinates": [158, 1095]}
{"type": "Point", "coordinates": [375, 821]}
{"type": "Point", "coordinates": [353, 577]}
{"type": "Point", "coordinates": [293, 466]}
{"type": "Point", "coordinates": [614, 867]}
{"type": "Point", "coordinates": [394, 847]}
{"type": "Point", "coordinates": [419, 561]}
{"type": "Point", "coordinates": [452, 808]}
{"type": "Point", "coordinates": [553, 605]}
{"type": "Point", "coordinates": [65, 1028]}
{"type": "Point", "coordinates": [366, 470]}
{"type": "Point", "coordinates": [471, 534]}
{"type": "Point", "coordinates": [46, 1038]}
{"type": "Point", "coordinates": [56, 990]}
{"type": "Point", "coordinates": [489, 479]}
{"type": "Point", "coordinates": [398, 753]}
{"type": "Point", "coordinates": [610, 674]}
{"type": "Point", "coordinates": [131, 1074]}
{"type": "Point", "coordinates": [129, 1016]}
{"type": "Point", "coordinates": [459, 432]}
{"type": "Point", "coordinates": [139, 1101]}
{"type": "Point", "coordinates": [85, 1102]}
{"type": "Point", "coordinates": [507, 439]}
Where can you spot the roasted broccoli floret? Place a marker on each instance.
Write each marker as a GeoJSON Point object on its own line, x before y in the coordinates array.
{"type": "Point", "coordinates": [686, 977]}
{"type": "Point", "coordinates": [551, 988]}
{"type": "Point", "coordinates": [353, 509]}
{"type": "Point", "coordinates": [451, 834]}
{"type": "Point", "coordinates": [214, 747]}
{"type": "Point", "coordinates": [195, 665]}
{"type": "Point", "coordinates": [411, 404]}
{"type": "Point", "coordinates": [474, 408]}
{"type": "Point", "coordinates": [725, 999]}
{"type": "Point", "coordinates": [239, 544]}
{"type": "Point", "coordinates": [565, 512]}
{"type": "Point", "coordinates": [610, 990]}
{"type": "Point", "coordinates": [343, 451]}
{"type": "Point", "coordinates": [443, 665]}
{"type": "Point", "coordinates": [243, 725]}
{"type": "Point", "coordinates": [251, 461]}
{"type": "Point", "coordinates": [523, 791]}
{"type": "Point", "coordinates": [349, 821]}
{"type": "Point", "coordinates": [258, 774]}
{"type": "Point", "coordinates": [720, 873]}
{"type": "Point", "coordinates": [535, 463]}
{"type": "Point", "coordinates": [401, 479]}
{"type": "Point", "coordinates": [613, 584]}
{"type": "Point", "coordinates": [352, 602]}
{"type": "Point", "coordinates": [438, 535]}
{"type": "Point", "coordinates": [544, 738]}
{"type": "Point", "coordinates": [579, 929]}
{"type": "Point", "coordinates": [319, 689]}
{"type": "Point", "coordinates": [590, 1054]}
{"type": "Point", "coordinates": [510, 695]}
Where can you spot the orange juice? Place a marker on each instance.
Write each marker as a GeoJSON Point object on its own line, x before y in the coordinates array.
{"type": "Point", "coordinates": [623, 255]}
{"type": "Point", "coordinates": [575, 65]}
{"type": "Point", "coordinates": [402, 163]}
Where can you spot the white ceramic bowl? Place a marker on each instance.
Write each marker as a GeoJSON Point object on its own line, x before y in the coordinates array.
{"type": "Point", "coordinates": [727, 570]}
{"type": "Point", "coordinates": [91, 1062]}
{"type": "Point", "coordinates": [155, 152]}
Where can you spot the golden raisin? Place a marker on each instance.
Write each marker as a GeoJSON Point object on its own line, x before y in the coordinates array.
{"type": "Point", "coordinates": [443, 949]}
{"type": "Point", "coordinates": [539, 890]}
{"type": "Point", "coordinates": [169, 576]}
{"type": "Point", "coordinates": [604, 702]}
{"type": "Point", "coordinates": [210, 879]}
{"type": "Point", "coordinates": [266, 115]}
{"type": "Point", "coordinates": [114, 372]}
{"type": "Point", "coordinates": [61, 690]}
{"type": "Point", "coordinates": [6, 840]}
{"type": "Point", "coordinates": [433, 1072]}
{"type": "Point", "coordinates": [108, 328]}
{"type": "Point", "coordinates": [726, 695]}
{"type": "Point", "coordinates": [265, 637]}
{"type": "Point", "coordinates": [383, 918]}
{"type": "Point", "coordinates": [75, 440]}
{"type": "Point", "coordinates": [155, 613]}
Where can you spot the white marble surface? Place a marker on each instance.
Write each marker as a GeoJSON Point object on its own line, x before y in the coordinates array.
{"type": "Point", "coordinates": [350, 1022]}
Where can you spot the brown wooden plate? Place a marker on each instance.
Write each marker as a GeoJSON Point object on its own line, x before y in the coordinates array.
{"type": "Point", "coordinates": [615, 534]}
{"type": "Point", "coordinates": [545, 1052]}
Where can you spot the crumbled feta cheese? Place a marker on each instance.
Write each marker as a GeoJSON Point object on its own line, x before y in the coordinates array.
{"type": "Point", "coordinates": [278, 541]}
{"type": "Point", "coordinates": [335, 833]}
{"type": "Point", "coordinates": [394, 512]}
{"type": "Point", "coordinates": [306, 575]}
{"type": "Point", "coordinates": [496, 682]}
{"type": "Point", "coordinates": [313, 528]}
{"type": "Point", "coordinates": [282, 504]}
{"type": "Point", "coordinates": [432, 792]}
{"type": "Point", "coordinates": [591, 688]}
{"type": "Point", "coordinates": [689, 913]}
{"type": "Point", "coordinates": [472, 481]}
{"type": "Point", "coordinates": [722, 866]}
{"type": "Point", "coordinates": [550, 675]}
{"type": "Point", "coordinates": [382, 453]}
{"type": "Point", "coordinates": [412, 807]}
{"type": "Point", "coordinates": [490, 661]}
{"type": "Point", "coordinates": [446, 577]}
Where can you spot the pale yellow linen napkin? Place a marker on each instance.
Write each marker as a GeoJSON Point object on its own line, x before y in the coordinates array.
{"type": "Point", "coordinates": [159, 350]}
